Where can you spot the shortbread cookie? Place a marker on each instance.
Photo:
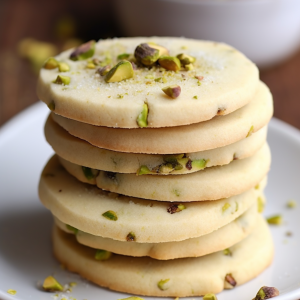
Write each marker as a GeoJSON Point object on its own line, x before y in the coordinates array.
{"type": "Point", "coordinates": [222, 80]}
{"type": "Point", "coordinates": [82, 153]}
{"type": "Point", "coordinates": [82, 206]}
{"type": "Point", "coordinates": [218, 132]}
{"type": "Point", "coordinates": [218, 240]}
{"type": "Point", "coordinates": [208, 184]}
{"type": "Point", "coordinates": [172, 278]}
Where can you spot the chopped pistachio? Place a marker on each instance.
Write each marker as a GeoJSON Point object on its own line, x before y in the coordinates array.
{"type": "Point", "coordinates": [291, 204]}
{"type": "Point", "coordinates": [172, 158]}
{"type": "Point", "coordinates": [229, 281]}
{"type": "Point", "coordinates": [164, 80]}
{"type": "Point", "coordinates": [50, 63]}
{"type": "Point", "coordinates": [51, 105]}
{"type": "Point", "coordinates": [162, 50]}
{"type": "Point", "coordinates": [143, 170]}
{"type": "Point", "coordinates": [71, 228]}
{"type": "Point", "coordinates": [165, 168]}
{"type": "Point", "coordinates": [143, 116]}
{"type": "Point", "coordinates": [164, 284]}
{"type": "Point", "coordinates": [260, 204]}
{"type": "Point", "coordinates": [89, 173]}
{"type": "Point", "coordinates": [199, 83]}
{"type": "Point", "coordinates": [103, 70]}
{"type": "Point", "coordinates": [149, 76]}
{"type": "Point", "coordinates": [266, 292]}
{"type": "Point", "coordinates": [96, 61]}
{"type": "Point", "coordinates": [146, 54]}
{"type": "Point", "coordinates": [186, 59]}
{"type": "Point", "coordinates": [60, 79]}
{"type": "Point", "coordinates": [11, 292]}
{"type": "Point", "coordinates": [130, 237]}
{"type": "Point", "coordinates": [63, 67]}
{"type": "Point", "coordinates": [72, 284]}
{"type": "Point", "coordinates": [123, 56]}
{"type": "Point", "coordinates": [110, 215]}
{"type": "Point", "coordinates": [199, 163]}
{"type": "Point", "coordinates": [172, 91]}
{"type": "Point", "coordinates": [221, 111]}
{"type": "Point", "coordinates": [225, 207]}
{"type": "Point", "coordinates": [157, 79]}
{"type": "Point", "coordinates": [275, 220]}
{"type": "Point", "coordinates": [227, 252]}
{"type": "Point", "coordinates": [176, 192]}
{"type": "Point", "coordinates": [84, 51]}
{"type": "Point", "coordinates": [210, 297]}
{"type": "Point", "coordinates": [250, 131]}
{"type": "Point", "coordinates": [51, 284]}
{"type": "Point", "coordinates": [121, 71]}
{"type": "Point", "coordinates": [195, 97]}
{"type": "Point", "coordinates": [189, 67]}
{"type": "Point", "coordinates": [102, 254]}
{"type": "Point", "coordinates": [170, 63]}
{"type": "Point", "coordinates": [174, 208]}
{"type": "Point", "coordinates": [120, 96]}
{"type": "Point", "coordinates": [257, 187]}
{"type": "Point", "coordinates": [90, 65]}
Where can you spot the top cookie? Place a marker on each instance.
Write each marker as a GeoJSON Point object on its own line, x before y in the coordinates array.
{"type": "Point", "coordinates": [218, 81]}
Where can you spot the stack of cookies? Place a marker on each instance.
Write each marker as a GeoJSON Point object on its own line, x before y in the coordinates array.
{"type": "Point", "coordinates": [161, 161]}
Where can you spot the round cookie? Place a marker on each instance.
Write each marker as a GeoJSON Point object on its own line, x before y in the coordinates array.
{"type": "Point", "coordinates": [218, 240]}
{"type": "Point", "coordinates": [82, 153]}
{"type": "Point", "coordinates": [82, 206]}
{"type": "Point", "coordinates": [218, 132]}
{"type": "Point", "coordinates": [222, 80]}
{"type": "Point", "coordinates": [171, 278]}
{"type": "Point", "coordinates": [209, 184]}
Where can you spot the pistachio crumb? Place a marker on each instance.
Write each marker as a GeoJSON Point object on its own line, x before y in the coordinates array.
{"type": "Point", "coordinates": [164, 284]}
{"type": "Point", "coordinates": [225, 207]}
{"type": "Point", "coordinates": [121, 71]}
{"type": "Point", "coordinates": [51, 284]}
{"type": "Point", "coordinates": [266, 292]}
{"type": "Point", "coordinates": [84, 51]}
{"type": "Point", "coordinates": [11, 292]}
{"type": "Point", "coordinates": [157, 79]}
{"type": "Point", "coordinates": [143, 116]}
{"type": "Point", "coordinates": [110, 215]}
{"type": "Point", "coordinates": [174, 208]}
{"type": "Point", "coordinates": [123, 56]}
{"type": "Point", "coordinates": [63, 67]}
{"type": "Point", "coordinates": [172, 91]}
{"type": "Point", "coordinates": [291, 204]}
{"type": "Point", "coordinates": [120, 96]}
{"type": "Point", "coordinates": [51, 105]}
{"type": "Point", "coordinates": [275, 220]}
{"type": "Point", "coordinates": [130, 237]}
{"type": "Point", "coordinates": [176, 192]}
{"type": "Point", "coordinates": [60, 79]}
{"type": "Point", "coordinates": [260, 204]}
{"type": "Point", "coordinates": [227, 252]}
{"type": "Point", "coordinates": [102, 254]}
{"type": "Point", "coordinates": [143, 170]}
{"type": "Point", "coordinates": [195, 97]}
{"type": "Point", "coordinates": [50, 63]}
{"type": "Point", "coordinates": [210, 297]}
{"type": "Point", "coordinates": [72, 284]}
{"type": "Point", "coordinates": [89, 173]}
{"type": "Point", "coordinates": [250, 131]}
{"type": "Point", "coordinates": [71, 228]}
{"type": "Point", "coordinates": [229, 281]}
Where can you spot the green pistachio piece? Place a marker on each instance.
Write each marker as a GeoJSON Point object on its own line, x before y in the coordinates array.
{"type": "Point", "coordinates": [210, 297]}
{"type": "Point", "coordinates": [84, 51]}
{"type": "Point", "coordinates": [121, 71]}
{"type": "Point", "coordinates": [90, 65]}
{"type": "Point", "coordinates": [170, 63]}
{"type": "Point", "coordinates": [165, 168]}
{"type": "Point", "coordinates": [260, 204]}
{"type": "Point", "coordinates": [63, 67]}
{"type": "Point", "coordinates": [51, 105]}
{"type": "Point", "coordinates": [275, 220]}
{"type": "Point", "coordinates": [104, 70]}
{"type": "Point", "coordinates": [225, 207]}
{"type": "Point", "coordinates": [162, 50]}
{"type": "Point", "coordinates": [186, 59]}
{"type": "Point", "coordinates": [52, 285]}
{"type": "Point", "coordinates": [266, 292]}
{"type": "Point", "coordinates": [89, 173]}
{"type": "Point", "coordinates": [291, 204]}
{"type": "Point", "coordinates": [189, 67]}
{"type": "Point", "coordinates": [174, 208]}
{"type": "Point", "coordinates": [96, 61]}
{"type": "Point", "coordinates": [60, 79]}
{"type": "Point", "coordinates": [102, 255]}
{"type": "Point", "coordinates": [110, 215]}
{"type": "Point", "coordinates": [123, 56]}
{"type": "Point", "coordinates": [199, 163]}
{"type": "Point", "coordinates": [257, 186]}
{"type": "Point", "coordinates": [250, 131]}
{"type": "Point", "coordinates": [130, 237]}
{"type": "Point", "coordinates": [227, 252]}
{"type": "Point", "coordinates": [132, 298]}
{"type": "Point", "coordinates": [172, 158]}
{"type": "Point", "coordinates": [143, 170]}
{"type": "Point", "coordinates": [50, 63]}
{"type": "Point", "coordinates": [143, 116]}
{"type": "Point", "coordinates": [71, 228]}
{"type": "Point", "coordinates": [229, 281]}
{"type": "Point", "coordinates": [146, 54]}
{"type": "Point", "coordinates": [183, 161]}
{"type": "Point", "coordinates": [163, 284]}
{"type": "Point", "coordinates": [172, 91]}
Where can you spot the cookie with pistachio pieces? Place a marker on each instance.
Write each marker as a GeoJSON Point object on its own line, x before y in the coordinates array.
{"type": "Point", "coordinates": [228, 80]}
{"type": "Point", "coordinates": [146, 221]}
{"type": "Point", "coordinates": [170, 278]}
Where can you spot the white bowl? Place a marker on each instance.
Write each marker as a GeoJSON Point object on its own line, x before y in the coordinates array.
{"type": "Point", "coordinates": [267, 31]}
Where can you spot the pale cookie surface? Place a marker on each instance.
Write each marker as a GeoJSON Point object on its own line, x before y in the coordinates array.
{"type": "Point", "coordinates": [82, 206]}
{"type": "Point", "coordinates": [228, 82]}
{"type": "Point", "coordinates": [218, 240]}
{"type": "Point", "coordinates": [177, 278]}
{"type": "Point", "coordinates": [82, 153]}
{"type": "Point", "coordinates": [209, 184]}
{"type": "Point", "coordinates": [218, 132]}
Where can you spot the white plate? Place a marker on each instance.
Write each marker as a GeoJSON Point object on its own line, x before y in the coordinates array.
{"type": "Point", "coordinates": [25, 225]}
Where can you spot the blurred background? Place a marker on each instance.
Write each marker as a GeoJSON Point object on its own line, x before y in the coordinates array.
{"type": "Point", "coordinates": [267, 31]}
